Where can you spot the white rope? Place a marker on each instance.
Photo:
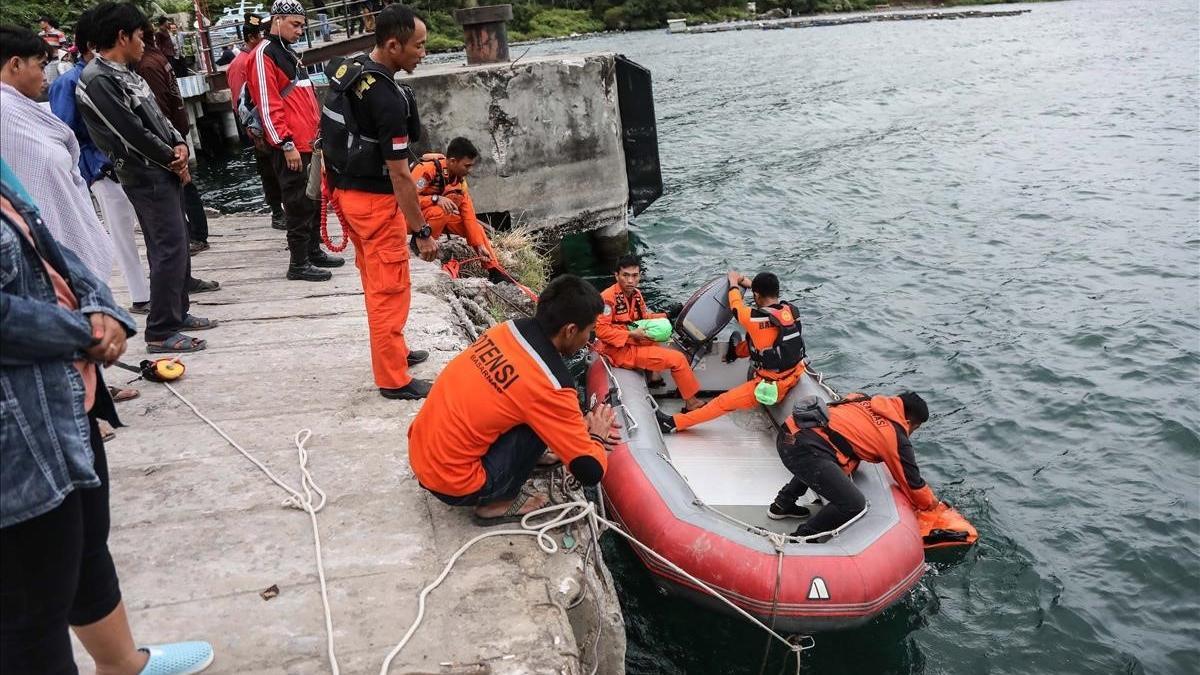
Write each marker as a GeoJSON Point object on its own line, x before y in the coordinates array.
{"type": "Point", "coordinates": [295, 500]}
{"type": "Point", "coordinates": [549, 545]}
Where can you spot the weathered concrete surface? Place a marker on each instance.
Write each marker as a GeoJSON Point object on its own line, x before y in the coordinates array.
{"type": "Point", "coordinates": [198, 532]}
{"type": "Point", "coordinates": [548, 128]}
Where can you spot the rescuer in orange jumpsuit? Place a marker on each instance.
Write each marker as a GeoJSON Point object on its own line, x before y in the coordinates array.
{"type": "Point", "coordinates": [445, 200]}
{"type": "Point", "coordinates": [498, 405]}
{"type": "Point", "coordinates": [822, 448]}
{"type": "Point", "coordinates": [374, 192]}
{"type": "Point", "coordinates": [773, 342]}
{"type": "Point", "coordinates": [627, 346]}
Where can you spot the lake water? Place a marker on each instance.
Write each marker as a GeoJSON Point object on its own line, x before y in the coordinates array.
{"type": "Point", "coordinates": [1003, 215]}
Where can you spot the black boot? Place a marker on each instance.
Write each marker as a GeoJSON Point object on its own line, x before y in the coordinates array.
{"type": "Point", "coordinates": [306, 272]}
{"type": "Point", "coordinates": [665, 422]}
{"type": "Point", "coordinates": [416, 356]}
{"type": "Point", "coordinates": [414, 390]}
{"type": "Point", "coordinates": [322, 259]}
{"type": "Point", "coordinates": [277, 220]}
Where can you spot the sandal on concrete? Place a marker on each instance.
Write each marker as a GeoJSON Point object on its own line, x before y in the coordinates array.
{"type": "Point", "coordinates": [177, 658]}
{"type": "Point", "coordinates": [177, 343]}
{"type": "Point", "coordinates": [197, 323]}
{"type": "Point", "coordinates": [511, 515]}
{"type": "Point", "coordinates": [118, 394]}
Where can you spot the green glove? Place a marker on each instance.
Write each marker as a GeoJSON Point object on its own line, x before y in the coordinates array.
{"type": "Point", "coordinates": [767, 393]}
{"type": "Point", "coordinates": [658, 330]}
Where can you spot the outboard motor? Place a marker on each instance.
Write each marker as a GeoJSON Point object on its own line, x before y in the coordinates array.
{"type": "Point", "coordinates": [704, 316]}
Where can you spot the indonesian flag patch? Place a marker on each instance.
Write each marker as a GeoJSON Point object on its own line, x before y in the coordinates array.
{"type": "Point", "coordinates": [399, 142]}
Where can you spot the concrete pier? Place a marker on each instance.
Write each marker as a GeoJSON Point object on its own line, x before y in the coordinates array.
{"type": "Point", "coordinates": [199, 534]}
{"type": "Point", "coordinates": [548, 128]}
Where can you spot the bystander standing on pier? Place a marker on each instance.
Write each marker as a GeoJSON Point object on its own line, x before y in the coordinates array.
{"type": "Point", "coordinates": [155, 69]}
{"type": "Point", "coordinates": [152, 163]}
{"type": "Point", "coordinates": [60, 325]}
{"type": "Point", "coordinates": [252, 32]}
{"type": "Point", "coordinates": [287, 107]}
{"type": "Point", "coordinates": [97, 170]}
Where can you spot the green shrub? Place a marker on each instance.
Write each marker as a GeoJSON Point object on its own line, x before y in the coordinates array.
{"type": "Point", "coordinates": [550, 23]}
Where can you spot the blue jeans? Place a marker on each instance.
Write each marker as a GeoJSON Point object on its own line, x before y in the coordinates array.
{"type": "Point", "coordinates": [323, 25]}
{"type": "Point", "coordinates": [508, 463]}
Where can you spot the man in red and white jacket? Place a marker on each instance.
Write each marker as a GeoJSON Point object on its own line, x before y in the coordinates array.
{"type": "Point", "coordinates": [287, 108]}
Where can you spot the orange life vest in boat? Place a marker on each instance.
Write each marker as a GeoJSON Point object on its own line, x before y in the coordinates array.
{"type": "Point", "coordinates": [787, 347]}
{"type": "Point", "coordinates": [862, 431]}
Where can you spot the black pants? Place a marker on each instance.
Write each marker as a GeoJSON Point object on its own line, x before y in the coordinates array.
{"type": "Point", "coordinates": [302, 213]}
{"type": "Point", "coordinates": [508, 464]}
{"type": "Point", "coordinates": [158, 202]}
{"type": "Point", "coordinates": [270, 183]}
{"type": "Point", "coordinates": [193, 210]}
{"type": "Point", "coordinates": [814, 465]}
{"type": "Point", "coordinates": [56, 572]}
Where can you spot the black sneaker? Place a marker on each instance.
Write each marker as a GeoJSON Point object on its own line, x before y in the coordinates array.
{"type": "Point", "coordinates": [665, 422]}
{"type": "Point", "coordinates": [307, 272]}
{"type": "Point", "coordinates": [417, 356]}
{"type": "Point", "coordinates": [323, 259]}
{"type": "Point", "coordinates": [777, 511]}
{"type": "Point", "coordinates": [195, 247]}
{"type": "Point", "coordinates": [277, 221]}
{"type": "Point", "coordinates": [140, 308]}
{"type": "Point", "coordinates": [416, 389]}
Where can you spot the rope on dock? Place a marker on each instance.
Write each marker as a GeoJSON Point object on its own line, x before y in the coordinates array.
{"type": "Point", "coordinates": [295, 500]}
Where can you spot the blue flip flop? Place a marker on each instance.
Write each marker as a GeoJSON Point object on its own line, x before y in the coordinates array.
{"type": "Point", "coordinates": [177, 658]}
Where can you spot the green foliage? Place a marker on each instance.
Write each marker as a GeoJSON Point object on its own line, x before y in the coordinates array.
{"type": "Point", "coordinates": [532, 19]}
{"type": "Point", "coordinates": [559, 22]}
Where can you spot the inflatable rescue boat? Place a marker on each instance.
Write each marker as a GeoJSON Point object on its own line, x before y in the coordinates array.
{"type": "Point", "coordinates": [699, 498]}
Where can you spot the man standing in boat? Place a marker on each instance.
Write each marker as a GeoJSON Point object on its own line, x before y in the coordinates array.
{"type": "Point", "coordinates": [627, 346]}
{"type": "Point", "coordinates": [823, 445]}
{"type": "Point", "coordinates": [773, 342]}
{"type": "Point", "coordinates": [498, 405]}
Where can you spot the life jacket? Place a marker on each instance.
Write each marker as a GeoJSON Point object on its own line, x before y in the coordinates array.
{"type": "Point", "coordinates": [436, 180]}
{"type": "Point", "coordinates": [347, 151]}
{"type": "Point", "coordinates": [860, 430]}
{"type": "Point", "coordinates": [625, 310]}
{"type": "Point", "coordinates": [788, 350]}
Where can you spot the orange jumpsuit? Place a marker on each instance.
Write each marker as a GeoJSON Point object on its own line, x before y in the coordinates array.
{"type": "Point", "coordinates": [432, 179]}
{"type": "Point", "coordinates": [625, 351]}
{"type": "Point", "coordinates": [510, 376]}
{"type": "Point", "coordinates": [380, 235]}
{"type": "Point", "coordinates": [759, 331]}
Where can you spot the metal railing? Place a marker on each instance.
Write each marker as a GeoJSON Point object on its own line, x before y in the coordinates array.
{"type": "Point", "coordinates": [346, 17]}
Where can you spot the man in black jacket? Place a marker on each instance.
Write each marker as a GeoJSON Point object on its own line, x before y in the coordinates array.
{"type": "Point", "coordinates": [151, 160]}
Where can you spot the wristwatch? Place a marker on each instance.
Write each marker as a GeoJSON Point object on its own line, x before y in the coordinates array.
{"type": "Point", "coordinates": [288, 146]}
{"type": "Point", "coordinates": [435, 198]}
{"type": "Point", "coordinates": [424, 233]}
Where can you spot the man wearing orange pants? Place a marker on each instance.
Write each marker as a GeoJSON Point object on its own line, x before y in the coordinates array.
{"type": "Point", "coordinates": [374, 191]}
{"type": "Point", "coordinates": [773, 341]}
{"type": "Point", "coordinates": [446, 201]}
{"type": "Point", "coordinates": [627, 346]}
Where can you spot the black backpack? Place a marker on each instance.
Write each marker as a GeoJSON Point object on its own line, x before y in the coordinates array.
{"type": "Point", "coordinates": [344, 149]}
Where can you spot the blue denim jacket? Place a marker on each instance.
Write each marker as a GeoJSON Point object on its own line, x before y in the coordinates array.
{"type": "Point", "coordinates": [45, 449]}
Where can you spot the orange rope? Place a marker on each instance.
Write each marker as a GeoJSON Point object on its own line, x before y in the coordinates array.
{"type": "Point", "coordinates": [329, 203]}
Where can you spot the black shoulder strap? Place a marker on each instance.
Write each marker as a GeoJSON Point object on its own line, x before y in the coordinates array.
{"type": "Point", "coordinates": [841, 442]}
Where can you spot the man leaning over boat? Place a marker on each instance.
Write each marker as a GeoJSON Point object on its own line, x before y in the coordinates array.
{"type": "Point", "coordinates": [823, 444]}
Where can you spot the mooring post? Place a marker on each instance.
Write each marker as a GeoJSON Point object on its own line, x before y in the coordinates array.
{"type": "Point", "coordinates": [485, 32]}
